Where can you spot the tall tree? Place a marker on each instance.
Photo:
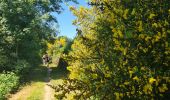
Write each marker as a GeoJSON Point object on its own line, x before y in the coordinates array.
{"type": "Point", "coordinates": [25, 26]}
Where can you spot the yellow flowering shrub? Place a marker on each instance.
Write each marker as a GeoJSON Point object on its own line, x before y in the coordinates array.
{"type": "Point", "coordinates": [122, 52]}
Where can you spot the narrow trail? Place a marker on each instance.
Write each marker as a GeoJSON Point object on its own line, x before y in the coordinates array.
{"type": "Point", "coordinates": [38, 89]}
{"type": "Point", "coordinates": [48, 90]}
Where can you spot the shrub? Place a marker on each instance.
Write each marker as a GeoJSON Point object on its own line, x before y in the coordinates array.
{"type": "Point", "coordinates": [8, 82]}
{"type": "Point", "coordinates": [22, 69]}
{"type": "Point", "coordinates": [122, 52]}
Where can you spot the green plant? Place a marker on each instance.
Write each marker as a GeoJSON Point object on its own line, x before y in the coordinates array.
{"type": "Point", "coordinates": [8, 82]}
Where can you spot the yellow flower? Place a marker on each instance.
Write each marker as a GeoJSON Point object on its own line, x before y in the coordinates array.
{"type": "Point", "coordinates": [133, 11]}
{"type": "Point", "coordinates": [118, 95]}
{"type": "Point", "coordinates": [49, 45]}
{"type": "Point", "coordinates": [163, 88]}
{"type": "Point", "coordinates": [136, 78]}
{"type": "Point", "coordinates": [140, 26]}
{"type": "Point", "coordinates": [126, 83]}
{"type": "Point", "coordinates": [114, 30]}
{"type": "Point", "coordinates": [147, 89]}
{"type": "Point", "coordinates": [94, 76]}
{"type": "Point", "coordinates": [120, 34]}
{"type": "Point", "coordinates": [151, 80]}
{"type": "Point", "coordinates": [142, 36]}
{"type": "Point", "coordinates": [107, 75]}
{"type": "Point", "coordinates": [155, 25]}
{"type": "Point", "coordinates": [142, 68]}
{"type": "Point", "coordinates": [125, 13]}
{"type": "Point", "coordinates": [157, 38]}
{"type": "Point", "coordinates": [125, 51]}
{"type": "Point", "coordinates": [151, 16]}
{"type": "Point", "coordinates": [130, 72]}
{"type": "Point", "coordinates": [147, 38]}
{"type": "Point", "coordinates": [62, 41]}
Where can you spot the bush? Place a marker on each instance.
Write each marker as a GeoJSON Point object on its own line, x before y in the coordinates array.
{"type": "Point", "coordinates": [22, 69]}
{"type": "Point", "coordinates": [122, 53]}
{"type": "Point", "coordinates": [8, 82]}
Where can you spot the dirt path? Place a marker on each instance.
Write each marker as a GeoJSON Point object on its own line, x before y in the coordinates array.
{"type": "Point", "coordinates": [39, 89]}
{"type": "Point", "coordinates": [22, 94]}
{"type": "Point", "coordinates": [48, 90]}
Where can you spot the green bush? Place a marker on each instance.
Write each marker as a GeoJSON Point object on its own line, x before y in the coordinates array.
{"type": "Point", "coordinates": [22, 66]}
{"type": "Point", "coordinates": [22, 69]}
{"type": "Point", "coordinates": [8, 82]}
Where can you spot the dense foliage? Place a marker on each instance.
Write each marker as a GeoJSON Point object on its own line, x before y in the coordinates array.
{"type": "Point", "coordinates": [25, 26]}
{"type": "Point", "coordinates": [58, 49]}
{"type": "Point", "coordinates": [121, 52]}
{"type": "Point", "coordinates": [8, 81]}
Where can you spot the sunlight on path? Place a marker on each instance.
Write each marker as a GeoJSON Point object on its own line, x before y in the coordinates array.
{"type": "Point", "coordinates": [48, 90]}
{"type": "Point", "coordinates": [47, 93]}
{"type": "Point", "coordinates": [29, 92]}
{"type": "Point", "coordinates": [38, 89]}
{"type": "Point", "coordinates": [22, 95]}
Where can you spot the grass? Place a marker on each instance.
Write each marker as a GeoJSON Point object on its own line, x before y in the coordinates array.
{"type": "Point", "coordinates": [34, 89]}
{"type": "Point", "coordinates": [37, 77]}
{"type": "Point", "coordinates": [57, 75]}
{"type": "Point", "coordinates": [38, 92]}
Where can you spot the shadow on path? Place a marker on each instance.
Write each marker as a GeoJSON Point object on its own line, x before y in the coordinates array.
{"type": "Point", "coordinates": [53, 73]}
{"type": "Point", "coordinates": [58, 73]}
{"type": "Point", "coordinates": [37, 85]}
{"type": "Point", "coordinates": [44, 74]}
